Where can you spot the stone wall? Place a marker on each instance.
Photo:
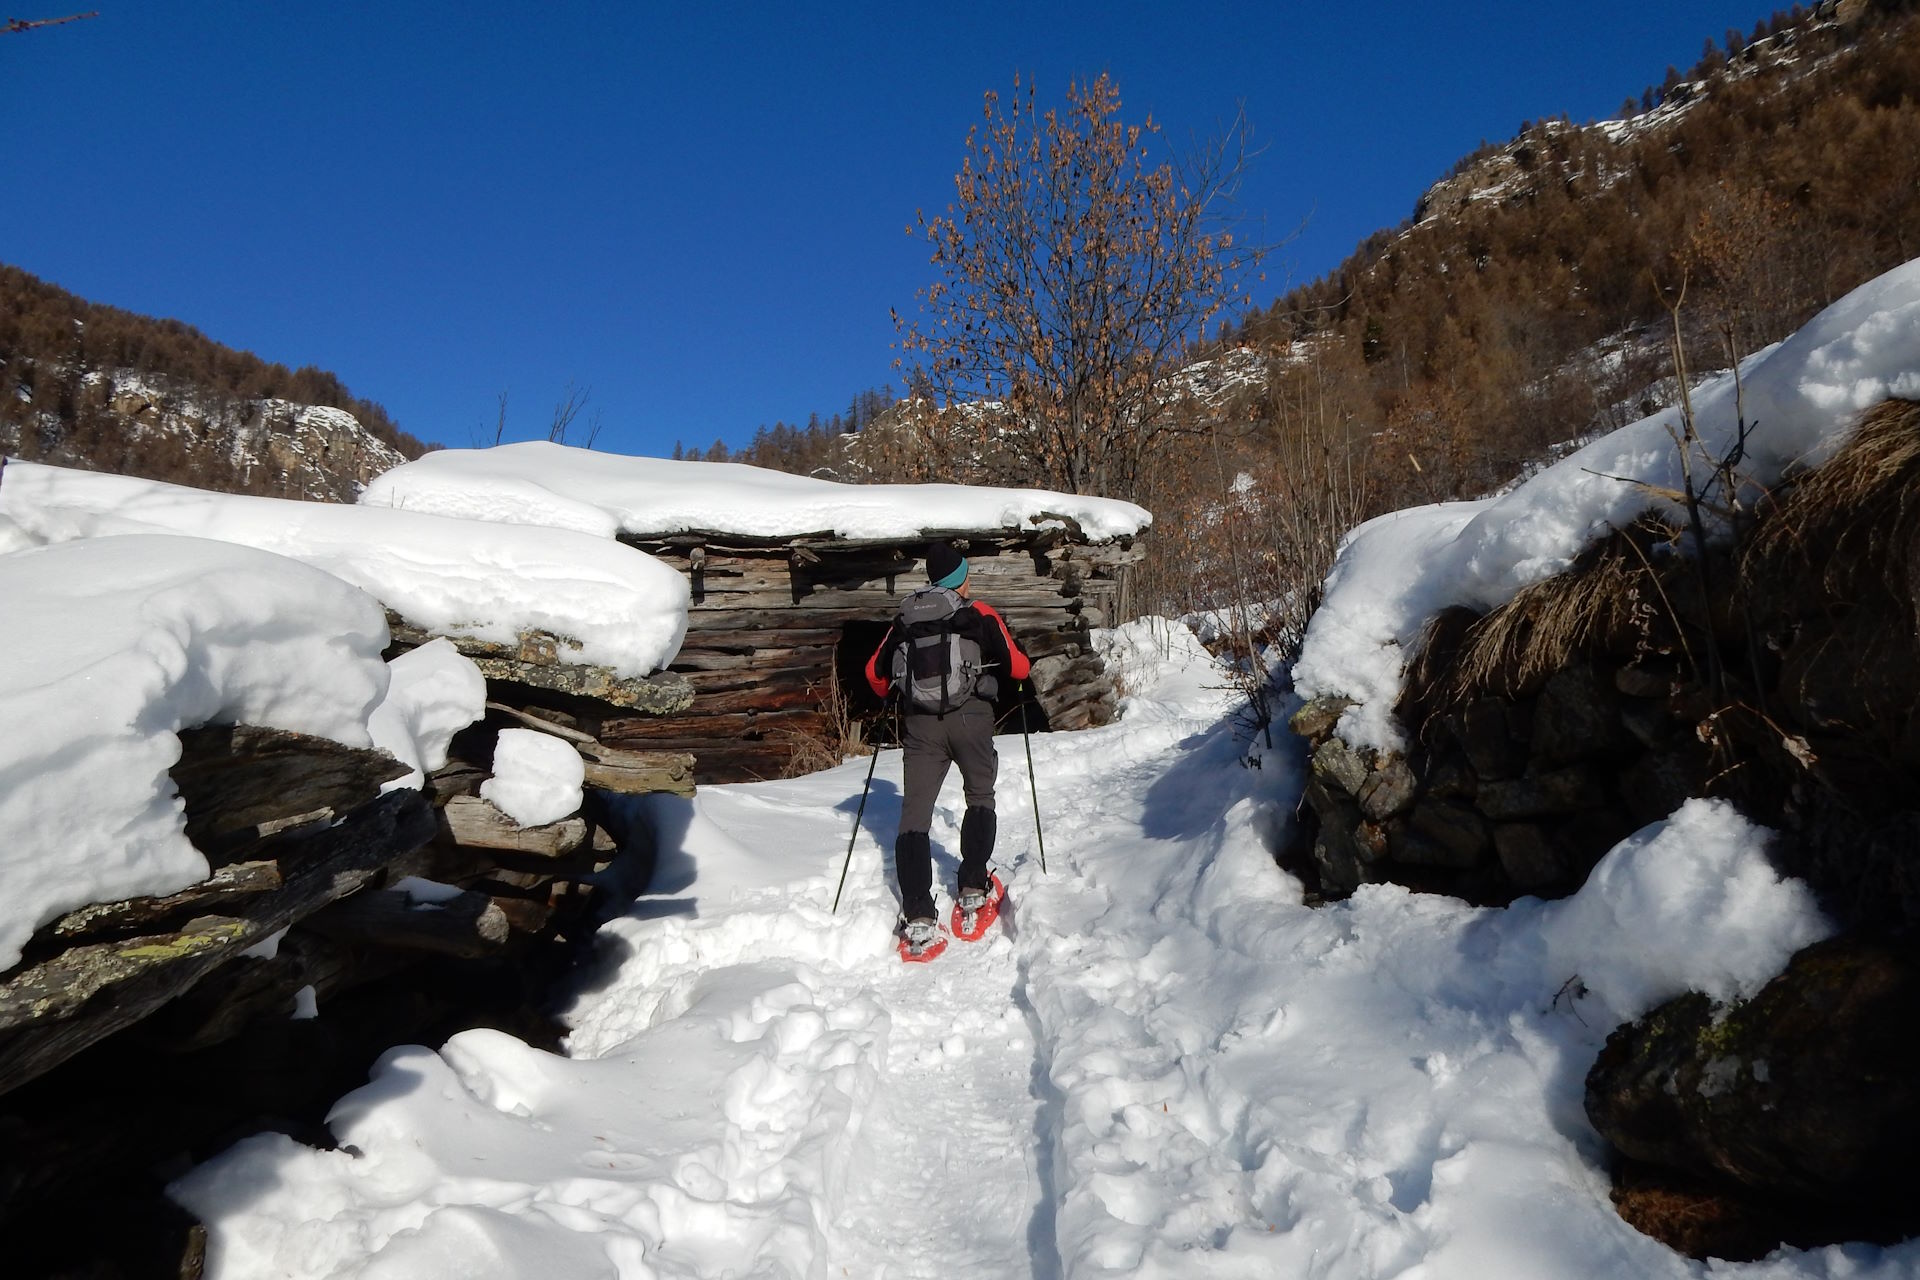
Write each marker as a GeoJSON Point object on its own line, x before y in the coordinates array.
{"type": "Point", "coordinates": [1503, 797]}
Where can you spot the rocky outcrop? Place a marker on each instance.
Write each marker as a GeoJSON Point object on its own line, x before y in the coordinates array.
{"type": "Point", "coordinates": [165, 428]}
{"type": "Point", "coordinates": [1504, 796]}
{"type": "Point", "coordinates": [1803, 1098]}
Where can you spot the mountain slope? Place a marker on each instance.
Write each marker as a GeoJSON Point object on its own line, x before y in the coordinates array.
{"type": "Point", "coordinates": [93, 386]}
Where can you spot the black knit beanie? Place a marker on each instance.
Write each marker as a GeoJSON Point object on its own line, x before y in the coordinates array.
{"type": "Point", "coordinates": [943, 562]}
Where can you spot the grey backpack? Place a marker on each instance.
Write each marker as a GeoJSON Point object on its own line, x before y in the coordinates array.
{"type": "Point", "coordinates": [935, 667]}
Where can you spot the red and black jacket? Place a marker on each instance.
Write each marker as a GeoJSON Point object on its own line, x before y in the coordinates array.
{"type": "Point", "coordinates": [974, 619]}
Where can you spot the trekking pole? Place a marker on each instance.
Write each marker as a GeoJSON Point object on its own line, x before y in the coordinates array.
{"type": "Point", "coordinates": [858, 814]}
{"type": "Point", "coordinates": [1033, 787]}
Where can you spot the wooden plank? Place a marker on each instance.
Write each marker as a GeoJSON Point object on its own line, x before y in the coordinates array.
{"type": "Point", "coordinates": [697, 660]}
{"type": "Point", "coordinates": [707, 684]}
{"type": "Point", "coordinates": [795, 635]}
{"type": "Point", "coordinates": [757, 697]}
{"type": "Point", "coordinates": [639, 772]}
{"type": "Point", "coordinates": [477, 824]}
{"type": "Point", "coordinates": [709, 727]}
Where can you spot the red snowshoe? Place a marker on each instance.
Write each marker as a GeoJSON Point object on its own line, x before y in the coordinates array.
{"type": "Point", "coordinates": [921, 941]}
{"type": "Point", "coordinates": [971, 919]}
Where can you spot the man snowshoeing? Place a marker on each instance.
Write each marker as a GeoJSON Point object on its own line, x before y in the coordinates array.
{"type": "Point", "coordinates": [945, 655]}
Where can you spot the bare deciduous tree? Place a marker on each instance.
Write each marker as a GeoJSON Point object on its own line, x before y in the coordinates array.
{"type": "Point", "coordinates": [1074, 271]}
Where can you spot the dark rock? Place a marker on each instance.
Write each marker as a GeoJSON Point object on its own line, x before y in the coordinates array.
{"type": "Point", "coordinates": [1656, 784]}
{"type": "Point", "coordinates": [242, 783]}
{"type": "Point", "coordinates": [1316, 719]}
{"type": "Point", "coordinates": [1644, 680]}
{"type": "Point", "coordinates": [1339, 764]}
{"type": "Point", "coordinates": [1542, 795]}
{"type": "Point", "coordinates": [1807, 1090]}
{"type": "Point", "coordinates": [1588, 837]}
{"type": "Point", "coordinates": [1338, 856]}
{"type": "Point", "coordinates": [1647, 722]}
{"type": "Point", "coordinates": [1712, 1218]}
{"type": "Point", "coordinates": [1486, 734]}
{"type": "Point", "coordinates": [1445, 772]}
{"type": "Point", "coordinates": [1439, 834]}
{"type": "Point", "coordinates": [1372, 841]}
{"type": "Point", "coordinates": [1578, 715]}
{"type": "Point", "coordinates": [1388, 791]}
{"type": "Point", "coordinates": [1530, 857]}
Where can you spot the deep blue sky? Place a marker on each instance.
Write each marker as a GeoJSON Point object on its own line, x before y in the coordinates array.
{"type": "Point", "coordinates": [696, 211]}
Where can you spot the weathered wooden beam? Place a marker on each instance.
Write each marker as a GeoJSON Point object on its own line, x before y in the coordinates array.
{"type": "Point", "coordinates": [534, 720]}
{"type": "Point", "coordinates": [635, 773]}
{"type": "Point", "coordinates": [795, 634]}
{"type": "Point", "coordinates": [699, 660]}
{"type": "Point", "coordinates": [477, 824]}
{"type": "Point", "coordinates": [251, 989]}
{"type": "Point", "coordinates": [659, 731]}
{"type": "Point", "coordinates": [767, 695]}
{"type": "Point", "coordinates": [660, 694]}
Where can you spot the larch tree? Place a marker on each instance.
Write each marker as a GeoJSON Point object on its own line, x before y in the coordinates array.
{"type": "Point", "coordinates": [1075, 269]}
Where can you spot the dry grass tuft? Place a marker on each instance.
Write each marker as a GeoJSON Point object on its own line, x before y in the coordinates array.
{"type": "Point", "coordinates": [1613, 599]}
{"type": "Point", "coordinates": [843, 735]}
{"type": "Point", "coordinates": [1850, 524]}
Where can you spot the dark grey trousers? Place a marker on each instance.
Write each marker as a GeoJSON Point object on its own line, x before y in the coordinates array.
{"type": "Point", "coordinates": [930, 744]}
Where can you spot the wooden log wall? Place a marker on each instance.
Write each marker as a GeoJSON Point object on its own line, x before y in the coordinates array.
{"type": "Point", "coordinates": [764, 641]}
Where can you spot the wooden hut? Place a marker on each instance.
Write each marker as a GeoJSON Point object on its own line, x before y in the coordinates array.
{"type": "Point", "coordinates": [793, 580]}
{"type": "Point", "coordinates": [780, 629]}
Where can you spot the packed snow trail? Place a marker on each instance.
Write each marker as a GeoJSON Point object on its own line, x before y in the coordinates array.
{"type": "Point", "coordinates": [1167, 1065]}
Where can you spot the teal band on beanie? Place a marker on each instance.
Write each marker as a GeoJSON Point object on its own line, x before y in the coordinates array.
{"type": "Point", "coordinates": [954, 579]}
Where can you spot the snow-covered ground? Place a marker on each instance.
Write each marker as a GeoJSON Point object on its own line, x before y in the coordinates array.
{"type": "Point", "coordinates": [1164, 1066]}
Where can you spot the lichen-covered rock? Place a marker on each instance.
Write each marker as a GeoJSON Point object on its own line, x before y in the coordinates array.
{"type": "Point", "coordinates": [1318, 717]}
{"type": "Point", "coordinates": [1338, 764]}
{"type": "Point", "coordinates": [1388, 791]}
{"type": "Point", "coordinates": [1807, 1090]}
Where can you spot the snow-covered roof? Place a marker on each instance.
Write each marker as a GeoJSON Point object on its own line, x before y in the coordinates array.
{"type": "Point", "coordinates": [115, 644]}
{"type": "Point", "coordinates": [608, 494]}
{"type": "Point", "coordinates": [620, 607]}
{"type": "Point", "coordinates": [1800, 400]}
